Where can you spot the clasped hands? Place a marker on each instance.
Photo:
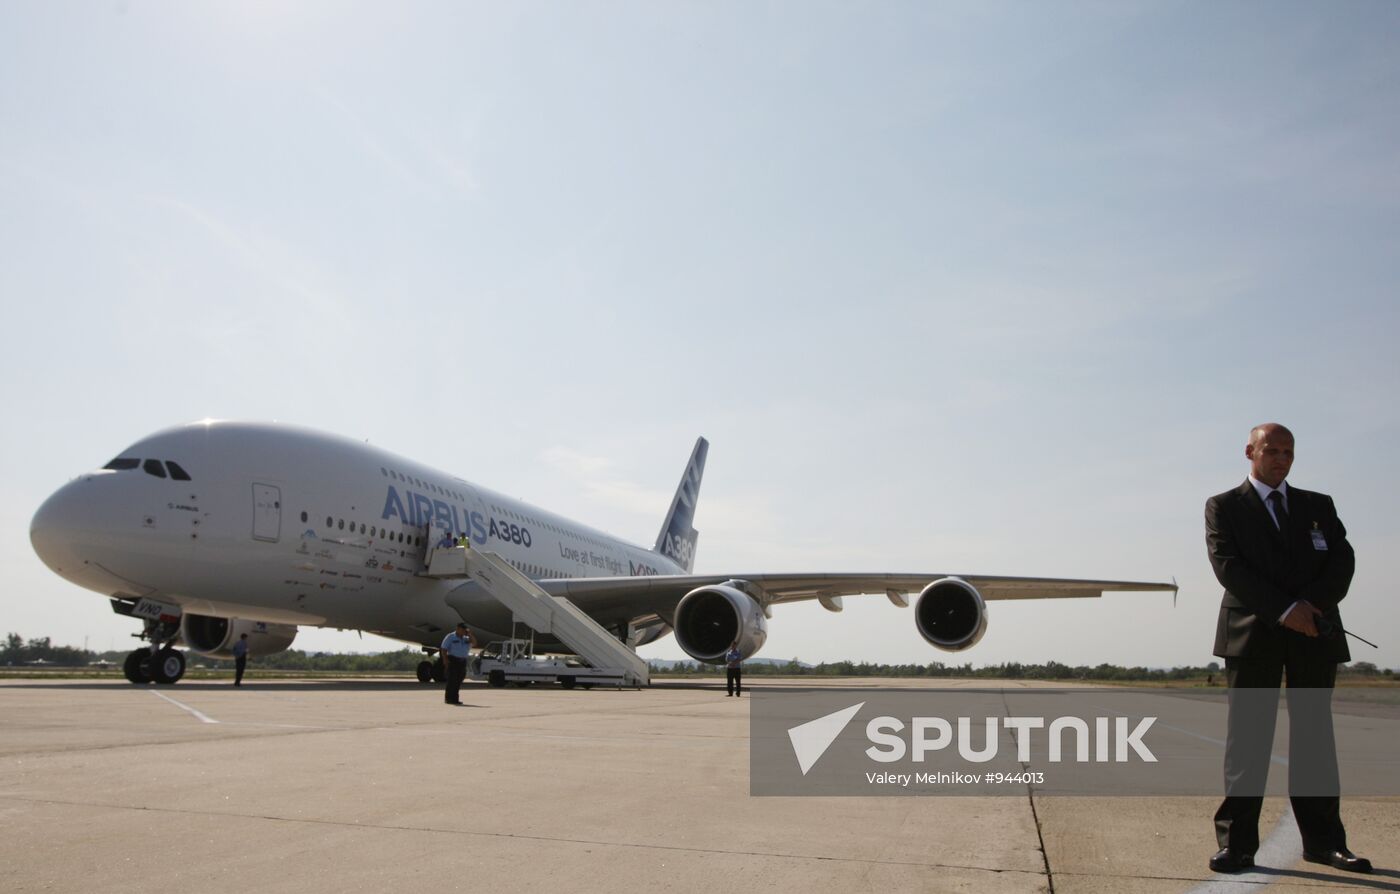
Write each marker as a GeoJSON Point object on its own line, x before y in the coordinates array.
{"type": "Point", "coordinates": [1303, 618]}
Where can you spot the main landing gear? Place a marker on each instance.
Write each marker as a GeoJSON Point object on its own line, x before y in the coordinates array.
{"type": "Point", "coordinates": [159, 663]}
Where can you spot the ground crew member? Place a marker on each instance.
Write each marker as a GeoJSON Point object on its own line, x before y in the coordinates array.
{"type": "Point", "coordinates": [240, 659]}
{"type": "Point", "coordinates": [732, 660]}
{"type": "Point", "coordinates": [456, 650]}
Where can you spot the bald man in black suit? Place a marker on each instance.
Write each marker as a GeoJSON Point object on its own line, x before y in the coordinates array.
{"type": "Point", "coordinates": [1282, 555]}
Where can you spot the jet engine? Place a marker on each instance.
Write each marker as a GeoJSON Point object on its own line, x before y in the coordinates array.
{"type": "Point", "coordinates": [215, 637]}
{"type": "Point", "coordinates": [951, 614]}
{"type": "Point", "coordinates": [708, 619]}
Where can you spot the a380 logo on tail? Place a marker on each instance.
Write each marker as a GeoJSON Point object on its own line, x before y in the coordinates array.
{"type": "Point", "coordinates": [679, 548]}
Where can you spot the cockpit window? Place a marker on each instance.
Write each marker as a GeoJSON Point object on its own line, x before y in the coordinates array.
{"type": "Point", "coordinates": [122, 463]}
{"type": "Point", "coordinates": [176, 472]}
{"type": "Point", "coordinates": [153, 467]}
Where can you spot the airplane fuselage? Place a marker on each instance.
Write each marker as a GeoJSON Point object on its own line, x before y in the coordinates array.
{"type": "Point", "coordinates": [293, 526]}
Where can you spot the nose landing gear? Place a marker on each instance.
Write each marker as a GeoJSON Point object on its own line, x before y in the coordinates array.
{"type": "Point", "coordinates": [159, 663]}
{"type": "Point", "coordinates": [136, 666]}
{"type": "Point", "coordinates": [431, 671]}
{"type": "Point", "coordinates": [168, 666]}
{"type": "Point", "coordinates": [165, 666]}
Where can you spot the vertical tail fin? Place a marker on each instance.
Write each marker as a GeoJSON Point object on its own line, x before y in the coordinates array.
{"type": "Point", "coordinates": [677, 538]}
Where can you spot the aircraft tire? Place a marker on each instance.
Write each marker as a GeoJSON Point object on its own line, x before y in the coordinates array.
{"type": "Point", "coordinates": [568, 682]}
{"type": "Point", "coordinates": [134, 666]}
{"type": "Point", "coordinates": [425, 672]}
{"type": "Point", "coordinates": [496, 678]}
{"type": "Point", "coordinates": [168, 666]}
{"type": "Point", "coordinates": [439, 675]}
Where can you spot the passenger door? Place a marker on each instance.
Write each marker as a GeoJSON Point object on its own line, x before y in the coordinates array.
{"type": "Point", "coordinates": [267, 512]}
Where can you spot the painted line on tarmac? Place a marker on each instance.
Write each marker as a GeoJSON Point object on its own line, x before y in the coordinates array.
{"type": "Point", "coordinates": [1281, 849]}
{"type": "Point", "coordinates": [204, 718]}
{"type": "Point", "coordinates": [1273, 758]}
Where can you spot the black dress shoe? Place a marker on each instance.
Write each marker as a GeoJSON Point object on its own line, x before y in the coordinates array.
{"type": "Point", "coordinates": [1226, 860]}
{"type": "Point", "coordinates": [1341, 858]}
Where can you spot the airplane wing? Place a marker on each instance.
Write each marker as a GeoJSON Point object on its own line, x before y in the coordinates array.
{"type": "Point", "coordinates": [660, 593]}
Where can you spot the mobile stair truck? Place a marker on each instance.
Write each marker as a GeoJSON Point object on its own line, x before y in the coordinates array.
{"type": "Point", "coordinates": [603, 660]}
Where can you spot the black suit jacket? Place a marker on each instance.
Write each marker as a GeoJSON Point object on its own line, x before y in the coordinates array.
{"type": "Point", "coordinates": [1265, 570]}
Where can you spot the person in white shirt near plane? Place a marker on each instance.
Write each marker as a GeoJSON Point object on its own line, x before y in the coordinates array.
{"type": "Point", "coordinates": [456, 652]}
{"type": "Point", "coordinates": [733, 662]}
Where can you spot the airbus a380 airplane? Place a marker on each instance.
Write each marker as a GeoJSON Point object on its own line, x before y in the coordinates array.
{"type": "Point", "coordinates": [210, 530]}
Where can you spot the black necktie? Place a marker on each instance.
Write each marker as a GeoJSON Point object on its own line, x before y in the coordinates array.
{"type": "Point", "coordinates": [1280, 513]}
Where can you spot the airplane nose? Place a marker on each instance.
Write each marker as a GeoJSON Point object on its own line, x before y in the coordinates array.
{"type": "Point", "coordinates": [55, 526]}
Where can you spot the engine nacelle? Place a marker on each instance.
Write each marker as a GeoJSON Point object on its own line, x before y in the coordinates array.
{"type": "Point", "coordinates": [951, 614]}
{"type": "Point", "coordinates": [215, 637]}
{"type": "Point", "coordinates": [709, 619]}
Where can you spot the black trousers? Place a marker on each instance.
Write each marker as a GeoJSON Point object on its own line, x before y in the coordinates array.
{"type": "Point", "coordinates": [456, 672]}
{"type": "Point", "coordinates": [731, 680]}
{"type": "Point", "coordinates": [1312, 750]}
{"type": "Point", "coordinates": [239, 665]}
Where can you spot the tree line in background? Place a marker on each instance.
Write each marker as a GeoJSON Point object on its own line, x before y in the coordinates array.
{"type": "Point", "coordinates": [18, 652]}
{"type": "Point", "coordinates": [1053, 670]}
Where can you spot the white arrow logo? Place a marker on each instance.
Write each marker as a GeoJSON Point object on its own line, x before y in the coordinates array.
{"type": "Point", "coordinates": [810, 740]}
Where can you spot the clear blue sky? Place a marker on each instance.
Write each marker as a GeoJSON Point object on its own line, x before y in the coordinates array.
{"type": "Point", "coordinates": [956, 287]}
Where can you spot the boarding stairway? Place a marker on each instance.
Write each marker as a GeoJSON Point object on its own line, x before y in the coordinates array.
{"type": "Point", "coordinates": [548, 615]}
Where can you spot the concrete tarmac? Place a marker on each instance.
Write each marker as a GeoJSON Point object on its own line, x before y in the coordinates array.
{"type": "Point", "coordinates": [376, 785]}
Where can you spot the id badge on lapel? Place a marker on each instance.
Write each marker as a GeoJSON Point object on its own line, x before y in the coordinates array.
{"type": "Point", "coordinates": [1319, 542]}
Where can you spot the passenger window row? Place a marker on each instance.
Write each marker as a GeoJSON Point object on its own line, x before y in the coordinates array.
{"type": "Point", "coordinates": [422, 484]}
{"type": "Point", "coordinates": [539, 572]}
{"type": "Point", "coordinates": [150, 467]}
{"type": "Point", "coordinates": [339, 524]}
{"type": "Point", "coordinates": [549, 526]}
